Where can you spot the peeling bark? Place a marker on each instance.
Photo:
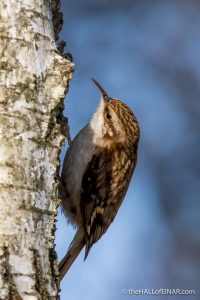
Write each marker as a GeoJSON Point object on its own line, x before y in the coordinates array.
{"type": "Point", "coordinates": [33, 82]}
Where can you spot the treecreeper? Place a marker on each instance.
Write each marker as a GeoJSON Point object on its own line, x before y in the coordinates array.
{"type": "Point", "coordinates": [96, 173]}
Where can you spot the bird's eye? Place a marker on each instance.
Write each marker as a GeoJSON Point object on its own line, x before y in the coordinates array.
{"type": "Point", "coordinates": [108, 116]}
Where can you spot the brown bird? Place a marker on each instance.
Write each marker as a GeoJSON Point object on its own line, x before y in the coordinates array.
{"type": "Point", "coordinates": [96, 173]}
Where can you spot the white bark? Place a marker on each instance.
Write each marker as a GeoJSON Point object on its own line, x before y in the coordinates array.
{"type": "Point", "coordinates": [33, 79]}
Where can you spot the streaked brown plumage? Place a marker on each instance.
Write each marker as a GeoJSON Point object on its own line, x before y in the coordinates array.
{"type": "Point", "coordinates": [96, 173]}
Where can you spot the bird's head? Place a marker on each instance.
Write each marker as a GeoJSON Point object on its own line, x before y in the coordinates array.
{"type": "Point", "coordinates": [113, 120]}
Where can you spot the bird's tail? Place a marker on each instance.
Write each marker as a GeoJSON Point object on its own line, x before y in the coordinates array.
{"type": "Point", "coordinates": [74, 249]}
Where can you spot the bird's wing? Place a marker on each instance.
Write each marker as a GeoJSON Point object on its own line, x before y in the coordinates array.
{"type": "Point", "coordinates": [104, 185]}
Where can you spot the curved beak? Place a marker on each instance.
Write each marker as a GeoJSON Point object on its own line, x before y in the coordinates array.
{"type": "Point", "coordinates": [103, 93]}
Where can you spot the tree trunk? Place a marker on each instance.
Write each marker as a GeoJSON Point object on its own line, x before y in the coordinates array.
{"type": "Point", "coordinates": [33, 81]}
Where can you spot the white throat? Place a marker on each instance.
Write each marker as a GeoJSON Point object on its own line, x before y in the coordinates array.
{"type": "Point", "coordinates": [97, 121]}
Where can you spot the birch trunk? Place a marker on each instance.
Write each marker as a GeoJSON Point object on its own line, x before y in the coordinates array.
{"type": "Point", "coordinates": [33, 80]}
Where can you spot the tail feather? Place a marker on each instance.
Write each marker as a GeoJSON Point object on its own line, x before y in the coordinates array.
{"type": "Point", "coordinates": [74, 249]}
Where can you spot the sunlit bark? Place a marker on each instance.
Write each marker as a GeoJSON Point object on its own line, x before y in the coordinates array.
{"type": "Point", "coordinates": [33, 79]}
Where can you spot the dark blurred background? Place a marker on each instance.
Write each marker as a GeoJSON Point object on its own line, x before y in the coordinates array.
{"type": "Point", "coordinates": [146, 53]}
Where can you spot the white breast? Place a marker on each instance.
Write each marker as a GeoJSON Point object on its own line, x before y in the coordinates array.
{"type": "Point", "coordinates": [76, 160]}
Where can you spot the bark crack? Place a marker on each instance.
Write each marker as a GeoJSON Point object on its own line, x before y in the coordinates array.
{"type": "Point", "coordinates": [8, 277]}
{"type": "Point", "coordinates": [40, 285]}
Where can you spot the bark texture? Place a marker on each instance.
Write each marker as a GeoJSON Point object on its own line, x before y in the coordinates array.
{"type": "Point", "coordinates": [33, 83]}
